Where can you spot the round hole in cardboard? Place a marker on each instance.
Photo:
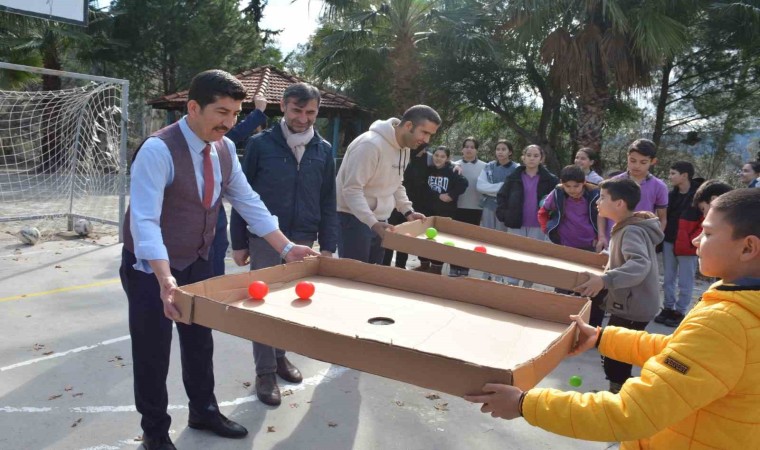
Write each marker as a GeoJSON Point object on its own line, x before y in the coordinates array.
{"type": "Point", "coordinates": [381, 321]}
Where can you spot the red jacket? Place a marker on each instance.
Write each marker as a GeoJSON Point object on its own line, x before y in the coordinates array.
{"type": "Point", "coordinates": [689, 227]}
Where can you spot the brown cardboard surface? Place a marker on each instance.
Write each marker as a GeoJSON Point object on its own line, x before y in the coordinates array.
{"type": "Point", "coordinates": [507, 254]}
{"type": "Point", "coordinates": [449, 335]}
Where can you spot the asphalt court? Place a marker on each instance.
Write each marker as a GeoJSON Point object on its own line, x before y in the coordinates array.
{"type": "Point", "coordinates": [66, 376]}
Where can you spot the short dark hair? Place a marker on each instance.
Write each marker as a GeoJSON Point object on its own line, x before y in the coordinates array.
{"type": "Point", "coordinates": [211, 85]}
{"type": "Point", "coordinates": [708, 190]}
{"type": "Point", "coordinates": [623, 189]}
{"type": "Point", "coordinates": [419, 113]}
{"type": "Point", "coordinates": [684, 167]}
{"type": "Point", "coordinates": [643, 147]}
{"type": "Point", "coordinates": [509, 145]}
{"type": "Point", "coordinates": [301, 93]}
{"type": "Point", "coordinates": [741, 209]}
{"type": "Point", "coordinates": [572, 173]}
{"type": "Point", "coordinates": [755, 165]}
{"type": "Point", "coordinates": [444, 149]}
{"type": "Point", "coordinates": [474, 141]}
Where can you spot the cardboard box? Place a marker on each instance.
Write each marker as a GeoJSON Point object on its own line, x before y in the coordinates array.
{"type": "Point", "coordinates": [507, 254]}
{"type": "Point", "coordinates": [449, 335]}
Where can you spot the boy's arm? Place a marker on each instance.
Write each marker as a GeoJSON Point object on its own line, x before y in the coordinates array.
{"type": "Point", "coordinates": [601, 239]}
{"type": "Point", "coordinates": [631, 346]}
{"type": "Point", "coordinates": [637, 263]}
{"type": "Point", "coordinates": [662, 214]}
{"type": "Point", "coordinates": [700, 364]}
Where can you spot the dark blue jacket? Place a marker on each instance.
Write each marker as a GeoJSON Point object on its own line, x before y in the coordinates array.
{"type": "Point", "coordinates": [509, 207]}
{"type": "Point", "coordinates": [301, 196]}
{"type": "Point", "coordinates": [590, 193]}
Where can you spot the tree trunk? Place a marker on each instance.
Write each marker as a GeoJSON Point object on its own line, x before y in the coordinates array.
{"type": "Point", "coordinates": [404, 67]}
{"type": "Point", "coordinates": [592, 107]}
{"type": "Point", "coordinates": [662, 102]}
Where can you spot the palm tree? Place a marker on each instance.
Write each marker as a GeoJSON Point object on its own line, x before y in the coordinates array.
{"type": "Point", "coordinates": [383, 34]}
{"type": "Point", "coordinates": [596, 49]}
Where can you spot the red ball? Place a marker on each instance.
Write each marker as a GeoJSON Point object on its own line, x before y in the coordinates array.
{"type": "Point", "coordinates": [304, 290]}
{"type": "Point", "coordinates": [480, 249]}
{"type": "Point", "coordinates": [258, 290]}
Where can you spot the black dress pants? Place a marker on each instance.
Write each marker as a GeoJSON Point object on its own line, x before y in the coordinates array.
{"type": "Point", "coordinates": [151, 334]}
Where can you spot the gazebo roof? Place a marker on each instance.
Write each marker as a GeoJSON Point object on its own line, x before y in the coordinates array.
{"type": "Point", "coordinates": [271, 82]}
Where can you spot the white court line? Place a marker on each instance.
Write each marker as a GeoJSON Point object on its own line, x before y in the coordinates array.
{"type": "Point", "coordinates": [67, 352]}
{"type": "Point", "coordinates": [324, 375]}
{"type": "Point", "coordinates": [65, 249]}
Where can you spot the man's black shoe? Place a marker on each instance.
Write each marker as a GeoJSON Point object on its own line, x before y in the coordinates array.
{"type": "Point", "coordinates": [157, 443]}
{"type": "Point", "coordinates": [287, 371]}
{"type": "Point", "coordinates": [267, 390]}
{"type": "Point", "coordinates": [674, 320]}
{"type": "Point", "coordinates": [219, 425]}
{"type": "Point", "coordinates": [664, 315]}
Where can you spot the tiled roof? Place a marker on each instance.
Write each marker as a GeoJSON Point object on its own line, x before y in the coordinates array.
{"type": "Point", "coordinates": [269, 81]}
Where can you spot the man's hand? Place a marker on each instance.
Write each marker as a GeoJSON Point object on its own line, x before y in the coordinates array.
{"type": "Point", "coordinates": [415, 216]}
{"type": "Point", "coordinates": [500, 400]}
{"type": "Point", "coordinates": [260, 102]}
{"type": "Point", "coordinates": [241, 257]}
{"type": "Point", "coordinates": [299, 252]}
{"type": "Point", "coordinates": [326, 254]}
{"type": "Point", "coordinates": [601, 243]}
{"type": "Point", "coordinates": [457, 169]}
{"type": "Point", "coordinates": [587, 336]}
{"type": "Point", "coordinates": [168, 286]}
{"type": "Point", "coordinates": [591, 287]}
{"type": "Point", "coordinates": [381, 227]}
{"type": "Point", "coordinates": [446, 198]}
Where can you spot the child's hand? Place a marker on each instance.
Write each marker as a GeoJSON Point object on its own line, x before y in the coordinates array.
{"type": "Point", "coordinates": [500, 400]}
{"type": "Point", "coordinates": [601, 243]}
{"type": "Point", "coordinates": [587, 336]}
{"type": "Point", "coordinates": [446, 198]}
{"type": "Point", "coordinates": [592, 286]}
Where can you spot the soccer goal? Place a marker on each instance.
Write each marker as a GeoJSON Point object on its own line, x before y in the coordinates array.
{"type": "Point", "coordinates": [63, 153]}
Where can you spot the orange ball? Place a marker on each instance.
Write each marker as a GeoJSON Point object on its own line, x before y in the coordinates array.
{"type": "Point", "coordinates": [304, 290]}
{"type": "Point", "coordinates": [258, 290]}
{"type": "Point", "coordinates": [480, 249]}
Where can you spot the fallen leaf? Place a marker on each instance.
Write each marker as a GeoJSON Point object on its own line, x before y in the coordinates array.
{"type": "Point", "coordinates": [68, 388]}
{"type": "Point", "coordinates": [58, 266]}
{"type": "Point", "coordinates": [138, 438]}
{"type": "Point", "coordinates": [270, 429]}
{"type": "Point", "coordinates": [442, 406]}
{"type": "Point", "coordinates": [38, 347]}
{"type": "Point", "coordinates": [432, 396]}
{"type": "Point", "coordinates": [332, 424]}
{"type": "Point", "coordinates": [78, 394]}
{"type": "Point", "coordinates": [47, 353]}
{"type": "Point", "coordinates": [76, 422]}
{"type": "Point", "coordinates": [287, 392]}
{"type": "Point", "coordinates": [399, 403]}
{"type": "Point", "coordinates": [28, 315]}
{"type": "Point", "coordinates": [294, 405]}
{"type": "Point", "coordinates": [246, 384]}
{"type": "Point", "coordinates": [53, 397]}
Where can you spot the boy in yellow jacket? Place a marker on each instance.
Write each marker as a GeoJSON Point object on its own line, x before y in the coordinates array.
{"type": "Point", "coordinates": [699, 387]}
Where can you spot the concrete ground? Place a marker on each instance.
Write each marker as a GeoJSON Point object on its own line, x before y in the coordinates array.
{"type": "Point", "coordinates": [66, 376]}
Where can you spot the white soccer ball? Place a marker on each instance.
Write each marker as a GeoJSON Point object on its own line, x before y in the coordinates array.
{"type": "Point", "coordinates": [82, 227]}
{"type": "Point", "coordinates": [29, 235]}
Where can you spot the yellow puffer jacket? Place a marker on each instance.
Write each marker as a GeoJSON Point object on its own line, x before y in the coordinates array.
{"type": "Point", "coordinates": [699, 388]}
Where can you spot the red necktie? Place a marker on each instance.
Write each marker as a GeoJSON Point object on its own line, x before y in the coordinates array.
{"type": "Point", "coordinates": [208, 177]}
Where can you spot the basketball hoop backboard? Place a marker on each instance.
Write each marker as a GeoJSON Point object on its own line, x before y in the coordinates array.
{"type": "Point", "coordinates": [69, 11]}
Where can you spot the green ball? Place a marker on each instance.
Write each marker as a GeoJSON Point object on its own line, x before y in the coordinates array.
{"type": "Point", "coordinates": [449, 243]}
{"type": "Point", "coordinates": [575, 381]}
{"type": "Point", "coordinates": [431, 233]}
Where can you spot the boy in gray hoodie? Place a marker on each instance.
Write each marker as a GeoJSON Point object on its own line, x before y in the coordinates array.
{"type": "Point", "coordinates": [631, 275]}
{"type": "Point", "coordinates": [369, 183]}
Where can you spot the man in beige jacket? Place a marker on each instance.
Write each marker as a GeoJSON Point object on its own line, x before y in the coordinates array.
{"type": "Point", "coordinates": [369, 181]}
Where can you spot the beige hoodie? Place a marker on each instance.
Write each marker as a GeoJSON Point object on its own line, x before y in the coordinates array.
{"type": "Point", "coordinates": [369, 180]}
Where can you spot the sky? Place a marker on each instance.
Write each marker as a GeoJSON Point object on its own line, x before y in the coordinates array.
{"type": "Point", "coordinates": [297, 18]}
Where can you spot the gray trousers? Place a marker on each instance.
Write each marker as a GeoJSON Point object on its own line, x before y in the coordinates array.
{"type": "Point", "coordinates": [681, 270]}
{"type": "Point", "coordinates": [263, 256]}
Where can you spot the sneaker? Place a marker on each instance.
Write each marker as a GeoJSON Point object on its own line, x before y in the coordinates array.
{"type": "Point", "coordinates": [423, 267]}
{"type": "Point", "coordinates": [615, 387]}
{"type": "Point", "coordinates": [454, 272]}
{"type": "Point", "coordinates": [666, 314]}
{"type": "Point", "coordinates": [436, 269]}
{"type": "Point", "coordinates": [674, 320]}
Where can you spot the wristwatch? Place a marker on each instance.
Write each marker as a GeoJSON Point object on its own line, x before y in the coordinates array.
{"type": "Point", "coordinates": [285, 250]}
{"type": "Point", "coordinates": [406, 214]}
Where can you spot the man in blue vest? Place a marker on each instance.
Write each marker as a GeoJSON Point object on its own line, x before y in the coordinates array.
{"type": "Point", "coordinates": [293, 170]}
{"type": "Point", "coordinates": [178, 178]}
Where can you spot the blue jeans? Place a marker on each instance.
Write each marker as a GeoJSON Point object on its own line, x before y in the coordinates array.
{"type": "Point", "coordinates": [358, 241]}
{"type": "Point", "coordinates": [681, 269]}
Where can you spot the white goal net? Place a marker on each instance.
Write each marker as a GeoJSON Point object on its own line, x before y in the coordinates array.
{"type": "Point", "coordinates": [62, 156]}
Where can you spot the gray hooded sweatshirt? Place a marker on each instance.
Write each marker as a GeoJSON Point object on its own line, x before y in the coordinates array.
{"type": "Point", "coordinates": [631, 275]}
